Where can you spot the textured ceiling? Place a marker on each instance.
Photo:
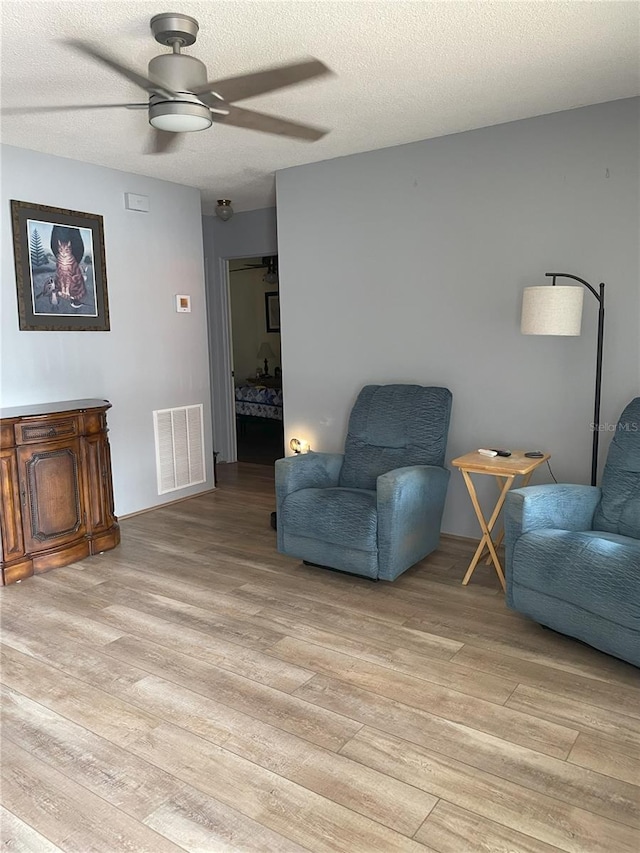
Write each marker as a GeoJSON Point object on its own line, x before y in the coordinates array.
{"type": "Point", "coordinates": [405, 71]}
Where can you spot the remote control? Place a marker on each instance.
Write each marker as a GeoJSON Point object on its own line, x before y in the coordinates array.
{"type": "Point", "coordinates": [502, 452]}
{"type": "Point", "coordinates": [486, 452]}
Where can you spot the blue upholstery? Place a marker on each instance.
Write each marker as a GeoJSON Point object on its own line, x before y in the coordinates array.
{"type": "Point", "coordinates": [346, 517]}
{"type": "Point", "coordinates": [573, 552]}
{"type": "Point", "coordinates": [377, 509]}
{"type": "Point", "coordinates": [393, 426]}
{"type": "Point", "coordinates": [619, 510]}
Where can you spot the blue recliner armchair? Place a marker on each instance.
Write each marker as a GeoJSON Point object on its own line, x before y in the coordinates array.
{"type": "Point", "coordinates": [376, 509]}
{"type": "Point", "coordinates": [573, 552]}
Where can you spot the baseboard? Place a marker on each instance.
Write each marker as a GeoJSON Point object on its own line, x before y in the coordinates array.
{"type": "Point", "coordinates": [162, 506]}
{"type": "Point", "coordinates": [455, 538]}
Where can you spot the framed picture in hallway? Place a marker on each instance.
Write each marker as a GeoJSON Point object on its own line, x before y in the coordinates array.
{"type": "Point", "coordinates": [272, 310]}
{"type": "Point", "coordinates": [60, 268]}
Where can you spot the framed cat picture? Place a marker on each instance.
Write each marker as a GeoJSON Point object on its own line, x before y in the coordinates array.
{"type": "Point", "coordinates": [61, 272]}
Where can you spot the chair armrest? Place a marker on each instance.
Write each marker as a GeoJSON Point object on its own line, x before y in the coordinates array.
{"type": "Point", "coordinates": [409, 483]}
{"type": "Point", "coordinates": [410, 503]}
{"type": "Point", "coordinates": [558, 506]}
{"type": "Point", "coordinates": [307, 471]}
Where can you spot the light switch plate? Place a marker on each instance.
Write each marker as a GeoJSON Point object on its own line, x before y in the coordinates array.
{"type": "Point", "coordinates": [183, 304]}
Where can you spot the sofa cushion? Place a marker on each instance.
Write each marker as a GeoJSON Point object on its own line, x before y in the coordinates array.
{"type": "Point", "coordinates": [597, 572]}
{"type": "Point", "coordinates": [619, 509]}
{"type": "Point", "coordinates": [345, 517]}
{"type": "Point", "coordinates": [393, 426]}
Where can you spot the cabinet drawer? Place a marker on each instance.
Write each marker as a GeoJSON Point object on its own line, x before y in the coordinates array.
{"type": "Point", "coordinates": [29, 432]}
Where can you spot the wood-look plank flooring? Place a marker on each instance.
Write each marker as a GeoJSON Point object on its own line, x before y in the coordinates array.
{"type": "Point", "coordinates": [195, 690]}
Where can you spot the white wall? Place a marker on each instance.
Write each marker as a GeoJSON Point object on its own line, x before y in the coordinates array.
{"type": "Point", "coordinates": [248, 323]}
{"type": "Point", "coordinates": [412, 260]}
{"type": "Point", "coordinates": [153, 357]}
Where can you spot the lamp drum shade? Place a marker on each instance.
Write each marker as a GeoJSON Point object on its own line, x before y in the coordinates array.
{"type": "Point", "coordinates": [552, 310]}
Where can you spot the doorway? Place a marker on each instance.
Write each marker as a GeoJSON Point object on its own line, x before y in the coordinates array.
{"type": "Point", "coordinates": [254, 311]}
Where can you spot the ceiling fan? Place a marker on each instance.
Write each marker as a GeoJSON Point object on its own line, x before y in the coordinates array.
{"type": "Point", "coordinates": [270, 264]}
{"type": "Point", "coordinates": [181, 99]}
{"type": "Point", "coordinates": [266, 262]}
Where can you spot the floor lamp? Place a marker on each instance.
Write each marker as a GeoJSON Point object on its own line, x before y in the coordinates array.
{"type": "Point", "coordinates": [557, 310]}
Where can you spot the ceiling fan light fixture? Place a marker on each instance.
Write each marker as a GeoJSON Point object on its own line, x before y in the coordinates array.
{"type": "Point", "coordinates": [181, 97]}
{"type": "Point", "coordinates": [179, 116]}
{"type": "Point", "coordinates": [224, 210]}
{"type": "Point", "coordinates": [271, 276]}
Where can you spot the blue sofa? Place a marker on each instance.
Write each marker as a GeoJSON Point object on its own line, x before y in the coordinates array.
{"type": "Point", "coordinates": [376, 509]}
{"type": "Point", "coordinates": [573, 552]}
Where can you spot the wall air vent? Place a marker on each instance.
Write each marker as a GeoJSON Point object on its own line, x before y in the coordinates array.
{"type": "Point", "coordinates": [179, 437]}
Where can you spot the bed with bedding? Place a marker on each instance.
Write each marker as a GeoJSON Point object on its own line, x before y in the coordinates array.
{"type": "Point", "coordinates": [259, 401]}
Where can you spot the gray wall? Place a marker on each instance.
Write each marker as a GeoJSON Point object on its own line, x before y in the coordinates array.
{"type": "Point", "coordinates": [413, 259]}
{"type": "Point", "coordinates": [153, 357]}
{"type": "Point", "coordinates": [250, 234]}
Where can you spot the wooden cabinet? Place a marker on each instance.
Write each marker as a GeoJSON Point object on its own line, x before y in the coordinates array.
{"type": "Point", "coordinates": [56, 494]}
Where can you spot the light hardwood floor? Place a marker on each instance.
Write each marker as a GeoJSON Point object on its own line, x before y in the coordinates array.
{"type": "Point", "coordinates": [235, 700]}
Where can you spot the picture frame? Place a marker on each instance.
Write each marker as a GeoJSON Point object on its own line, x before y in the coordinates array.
{"type": "Point", "coordinates": [61, 271]}
{"type": "Point", "coordinates": [272, 310]}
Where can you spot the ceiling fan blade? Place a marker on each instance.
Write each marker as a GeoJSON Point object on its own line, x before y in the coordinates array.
{"type": "Point", "coordinates": [56, 109]}
{"type": "Point", "coordinates": [146, 83]}
{"type": "Point", "coordinates": [252, 120]}
{"type": "Point", "coordinates": [259, 82]}
{"type": "Point", "coordinates": [162, 141]}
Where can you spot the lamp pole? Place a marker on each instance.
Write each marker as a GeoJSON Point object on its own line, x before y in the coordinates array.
{"type": "Point", "coordinates": [596, 409]}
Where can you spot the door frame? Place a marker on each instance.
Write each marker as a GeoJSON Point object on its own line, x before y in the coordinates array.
{"type": "Point", "coordinates": [222, 359]}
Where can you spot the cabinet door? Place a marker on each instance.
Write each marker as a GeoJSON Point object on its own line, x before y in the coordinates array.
{"type": "Point", "coordinates": [10, 515]}
{"type": "Point", "coordinates": [52, 502]}
{"type": "Point", "coordinates": [100, 493]}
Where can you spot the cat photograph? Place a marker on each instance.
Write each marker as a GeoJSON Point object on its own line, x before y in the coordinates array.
{"type": "Point", "coordinates": [62, 269]}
